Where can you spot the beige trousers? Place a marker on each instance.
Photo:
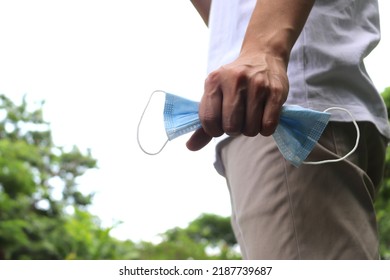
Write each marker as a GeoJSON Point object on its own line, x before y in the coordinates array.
{"type": "Point", "coordinates": [311, 212]}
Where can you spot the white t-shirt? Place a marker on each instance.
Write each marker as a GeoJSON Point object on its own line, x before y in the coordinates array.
{"type": "Point", "coordinates": [326, 64]}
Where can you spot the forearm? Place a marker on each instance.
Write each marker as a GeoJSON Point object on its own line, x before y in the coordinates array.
{"type": "Point", "coordinates": [275, 26]}
{"type": "Point", "coordinates": [203, 8]}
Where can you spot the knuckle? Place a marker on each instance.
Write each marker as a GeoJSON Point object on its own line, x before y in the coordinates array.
{"type": "Point", "coordinates": [235, 72]}
{"type": "Point", "coordinates": [259, 81]}
{"type": "Point", "coordinates": [212, 78]}
{"type": "Point", "coordinates": [211, 83]}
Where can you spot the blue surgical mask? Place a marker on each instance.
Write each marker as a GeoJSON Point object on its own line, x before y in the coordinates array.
{"type": "Point", "coordinates": [180, 116]}
{"type": "Point", "coordinates": [297, 133]}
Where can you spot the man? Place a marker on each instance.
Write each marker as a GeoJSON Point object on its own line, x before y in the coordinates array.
{"type": "Point", "coordinates": [267, 53]}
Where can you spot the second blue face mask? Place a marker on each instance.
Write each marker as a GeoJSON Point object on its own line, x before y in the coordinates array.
{"type": "Point", "coordinates": [297, 133]}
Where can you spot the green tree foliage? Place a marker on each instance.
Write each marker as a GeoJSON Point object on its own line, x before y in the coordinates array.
{"type": "Point", "coordinates": [35, 221]}
{"type": "Point", "coordinates": [206, 238]}
{"type": "Point", "coordinates": [382, 203]}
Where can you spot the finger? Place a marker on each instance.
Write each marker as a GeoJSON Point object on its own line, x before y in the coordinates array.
{"type": "Point", "coordinates": [234, 101]}
{"type": "Point", "coordinates": [233, 111]}
{"type": "Point", "coordinates": [272, 108]}
{"type": "Point", "coordinates": [270, 118]}
{"type": "Point", "coordinates": [210, 108]}
{"type": "Point", "coordinates": [257, 93]}
{"type": "Point", "coordinates": [198, 140]}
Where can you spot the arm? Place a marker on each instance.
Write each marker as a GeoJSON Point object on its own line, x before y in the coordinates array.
{"type": "Point", "coordinates": [275, 26]}
{"type": "Point", "coordinates": [246, 96]}
{"type": "Point", "coordinates": [203, 8]}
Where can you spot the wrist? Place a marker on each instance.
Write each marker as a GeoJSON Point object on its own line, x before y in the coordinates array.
{"type": "Point", "coordinates": [277, 44]}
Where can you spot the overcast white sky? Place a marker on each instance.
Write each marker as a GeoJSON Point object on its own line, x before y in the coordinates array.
{"type": "Point", "coordinates": [96, 62]}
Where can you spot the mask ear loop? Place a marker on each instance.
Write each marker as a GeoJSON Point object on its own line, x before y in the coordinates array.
{"type": "Point", "coordinates": [353, 149]}
{"type": "Point", "coordinates": [139, 124]}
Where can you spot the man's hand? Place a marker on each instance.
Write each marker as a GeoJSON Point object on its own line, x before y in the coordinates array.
{"type": "Point", "coordinates": [243, 97]}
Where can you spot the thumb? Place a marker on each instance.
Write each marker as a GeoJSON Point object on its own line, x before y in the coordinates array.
{"type": "Point", "coordinates": [198, 140]}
